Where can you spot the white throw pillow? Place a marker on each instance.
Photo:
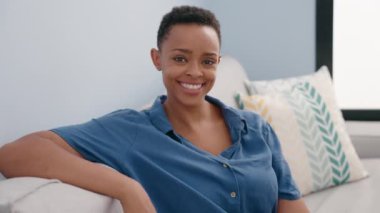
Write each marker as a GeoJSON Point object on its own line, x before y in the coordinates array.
{"type": "Point", "coordinates": [303, 113]}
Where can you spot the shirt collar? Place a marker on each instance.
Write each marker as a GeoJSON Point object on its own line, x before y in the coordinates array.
{"type": "Point", "coordinates": [235, 121]}
{"type": "Point", "coordinates": [158, 116]}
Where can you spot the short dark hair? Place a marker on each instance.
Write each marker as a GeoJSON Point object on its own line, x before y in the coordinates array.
{"type": "Point", "coordinates": [186, 15]}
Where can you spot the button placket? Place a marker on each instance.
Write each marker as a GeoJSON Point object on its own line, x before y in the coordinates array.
{"type": "Point", "coordinates": [232, 188]}
{"type": "Point", "coordinates": [233, 194]}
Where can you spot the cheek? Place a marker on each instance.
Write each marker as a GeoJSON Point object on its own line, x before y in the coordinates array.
{"type": "Point", "coordinates": [211, 76]}
{"type": "Point", "coordinates": [168, 78]}
{"type": "Point", "coordinates": [165, 79]}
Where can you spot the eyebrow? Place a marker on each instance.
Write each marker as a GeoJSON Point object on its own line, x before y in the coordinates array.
{"type": "Point", "coordinates": [189, 51]}
{"type": "Point", "coordinates": [182, 50]}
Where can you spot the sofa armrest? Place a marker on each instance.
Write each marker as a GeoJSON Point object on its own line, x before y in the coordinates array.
{"type": "Point", "coordinates": [365, 136]}
{"type": "Point", "coordinates": [31, 194]}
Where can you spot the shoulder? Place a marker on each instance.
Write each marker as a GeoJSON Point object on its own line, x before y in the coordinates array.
{"type": "Point", "coordinates": [124, 116]}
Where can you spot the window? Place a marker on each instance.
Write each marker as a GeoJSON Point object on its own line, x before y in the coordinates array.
{"type": "Point", "coordinates": [348, 41]}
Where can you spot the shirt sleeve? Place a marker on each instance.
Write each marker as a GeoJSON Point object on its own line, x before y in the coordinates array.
{"type": "Point", "coordinates": [102, 140]}
{"type": "Point", "coordinates": [287, 188]}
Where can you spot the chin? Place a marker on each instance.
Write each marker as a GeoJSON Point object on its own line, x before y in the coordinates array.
{"type": "Point", "coordinates": [189, 101]}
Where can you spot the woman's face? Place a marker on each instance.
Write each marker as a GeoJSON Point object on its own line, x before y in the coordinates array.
{"type": "Point", "coordinates": [188, 59]}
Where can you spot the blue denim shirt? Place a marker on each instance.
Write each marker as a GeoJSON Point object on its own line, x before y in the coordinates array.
{"type": "Point", "coordinates": [249, 176]}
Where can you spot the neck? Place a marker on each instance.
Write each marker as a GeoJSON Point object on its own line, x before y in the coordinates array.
{"type": "Point", "coordinates": [188, 117]}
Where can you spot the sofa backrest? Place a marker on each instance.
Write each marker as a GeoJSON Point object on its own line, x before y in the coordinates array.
{"type": "Point", "coordinates": [230, 79]}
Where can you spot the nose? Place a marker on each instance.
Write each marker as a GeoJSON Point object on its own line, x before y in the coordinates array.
{"type": "Point", "coordinates": [194, 70]}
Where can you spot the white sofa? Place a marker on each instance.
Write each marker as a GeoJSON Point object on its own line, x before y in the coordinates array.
{"type": "Point", "coordinates": [29, 194]}
{"type": "Point", "coordinates": [362, 195]}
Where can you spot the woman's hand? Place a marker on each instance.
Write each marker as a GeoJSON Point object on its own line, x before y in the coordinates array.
{"type": "Point", "coordinates": [135, 199]}
{"type": "Point", "coordinates": [290, 206]}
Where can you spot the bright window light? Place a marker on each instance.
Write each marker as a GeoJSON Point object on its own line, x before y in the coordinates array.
{"type": "Point", "coordinates": [356, 53]}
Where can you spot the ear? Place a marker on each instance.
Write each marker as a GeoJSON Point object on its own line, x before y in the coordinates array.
{"type": "Point", "coordinates": [155, 55]}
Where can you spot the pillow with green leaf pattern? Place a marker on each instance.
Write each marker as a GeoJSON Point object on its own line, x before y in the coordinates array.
{"type": "Point", "coordinates": [304, 114]}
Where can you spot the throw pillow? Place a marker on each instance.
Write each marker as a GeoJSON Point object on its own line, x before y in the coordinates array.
{"type": "Point", "coordinates": [310, 126]}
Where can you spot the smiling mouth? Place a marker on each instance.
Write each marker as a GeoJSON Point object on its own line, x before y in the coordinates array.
{"type": "Point", "coordinates": [191, 86]}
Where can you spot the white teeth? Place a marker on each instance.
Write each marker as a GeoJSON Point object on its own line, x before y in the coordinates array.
{"type": "Point", "coordinates": [191, 86]}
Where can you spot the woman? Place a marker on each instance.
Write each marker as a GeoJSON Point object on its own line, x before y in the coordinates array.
{"type": "Point", "coordinates": [187, 153]}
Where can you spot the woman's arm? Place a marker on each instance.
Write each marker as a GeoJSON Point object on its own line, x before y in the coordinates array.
{"type": "Point", "coordinates": [45, 154]}
{"type": "Point", "coordinates": [292, 206]}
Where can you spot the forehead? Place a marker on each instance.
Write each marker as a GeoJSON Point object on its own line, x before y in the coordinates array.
{"type": "Point", "coordinates": [192, 36]}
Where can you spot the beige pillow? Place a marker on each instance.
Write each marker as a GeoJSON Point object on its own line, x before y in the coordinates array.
{"type": "Point", "coordinates": [310, 126]}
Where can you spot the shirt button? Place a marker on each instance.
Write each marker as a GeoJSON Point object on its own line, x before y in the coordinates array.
{"type": "Point", "coordinates": [225, 165]}
{"type": "Point", "coordinates": [233, 194]}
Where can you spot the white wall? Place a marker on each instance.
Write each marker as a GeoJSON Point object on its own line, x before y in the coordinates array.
{"type": "Point", "coordinates": [271, 38]}
{"type": "Point", "coordinates": [64, 62]}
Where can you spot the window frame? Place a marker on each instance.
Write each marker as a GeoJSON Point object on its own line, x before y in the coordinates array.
{"type": "Point", "coordinates": [324, 55]}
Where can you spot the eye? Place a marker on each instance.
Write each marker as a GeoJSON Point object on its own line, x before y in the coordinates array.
{"type": "Point", "coordinates": [179, 59]}
{"type": "Point", "coordinates": [209, 62]}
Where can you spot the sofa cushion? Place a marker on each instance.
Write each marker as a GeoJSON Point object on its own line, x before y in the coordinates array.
{"type": "Point", "coordinates": [304, 115]}
{"type": "Point", "coordinates": [359, 196]}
